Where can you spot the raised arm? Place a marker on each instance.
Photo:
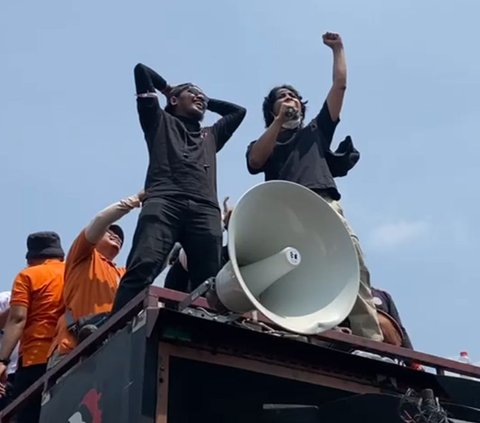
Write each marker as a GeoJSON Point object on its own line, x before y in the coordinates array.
{"type": "Point", "coordinates": [86, 241]}
{"type": "Point", "coordinates": [147, 81]}
{"type": "Point", "coordinates": [329, 115]}
{"type": "Point", "coordinates": [232, 117]}
{"type": "Point", "coordinates": [101, 222]}
{"type": "Point", "coordinates": [337, 92]}
{"type": "Point", "coordinates": [262, 149]}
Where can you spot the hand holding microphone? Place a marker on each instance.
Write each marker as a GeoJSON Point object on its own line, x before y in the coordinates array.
{"type": "Point", "coordinates": [291, 113]}
{"type": "Point", "coordinates": [287, 113]}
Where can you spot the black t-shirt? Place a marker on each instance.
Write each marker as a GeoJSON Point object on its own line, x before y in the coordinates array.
{"type": "Point", "coordinates": [182, 155]}
{"type": "Point", "coordinates": [300, 156]}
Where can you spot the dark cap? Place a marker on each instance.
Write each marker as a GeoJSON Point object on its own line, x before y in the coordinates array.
{"type": "Point", "coordinates": [44, 245]}
{"type": "Point", "coordinates": [117, 230]}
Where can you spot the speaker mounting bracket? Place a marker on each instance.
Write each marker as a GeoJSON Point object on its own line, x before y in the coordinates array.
{"type": "Point", "coordinates": [218, 313]}
{"type": "Point", "coordinates": [196, 293]}
{"type": "Point", "coordinates": [206, 314]}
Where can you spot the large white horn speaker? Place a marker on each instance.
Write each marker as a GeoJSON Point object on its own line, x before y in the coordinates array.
{"type": "Point", "coordinates": [291, 258]}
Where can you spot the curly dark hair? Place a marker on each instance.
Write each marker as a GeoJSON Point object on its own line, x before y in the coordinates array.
{"type": "Point", "coordinates": [270, 99]}
{"type": "Point", "coordinates": [176, 91]}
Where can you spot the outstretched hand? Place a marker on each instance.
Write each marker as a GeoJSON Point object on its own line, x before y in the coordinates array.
{"type": "Point", "coordinates": [227, 212]}
{"type": "Point", "coordinates": [166, 91]}
{"type": "Point", "coordinates": [285, 113]}
{"type": "Point", "coordinates": [332, 40]}
{"type": "Point", "coordinates": [136, 200]}
{"type": "Point", "coordinates": [226, 207]}
{"type": "Point", "coordinates": [141, 196]}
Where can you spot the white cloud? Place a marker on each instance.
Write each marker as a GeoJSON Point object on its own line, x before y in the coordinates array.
{"type": "Point", "coordinates": [391, 235]}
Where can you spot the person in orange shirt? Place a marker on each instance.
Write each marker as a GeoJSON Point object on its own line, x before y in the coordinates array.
{"type": "Point", "coordinates": [35, 307]}
{"type": "Point", "coordinates": [91, 276]}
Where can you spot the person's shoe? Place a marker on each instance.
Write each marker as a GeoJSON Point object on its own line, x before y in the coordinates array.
{"type": "Point", "coordinates": [86, 331]}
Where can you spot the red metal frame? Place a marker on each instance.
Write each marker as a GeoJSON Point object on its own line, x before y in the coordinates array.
{"type": "Point", "coordinates": [152, 299]}
{"type": "Point", "coordinates": [356, 342]}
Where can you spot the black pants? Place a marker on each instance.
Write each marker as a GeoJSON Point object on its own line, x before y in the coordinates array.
{"type": "Point", "coordinates": [24, 377]}
{"type": "Point", "coordinates": [162, 222]}
{"type": "Point", "coordinates": [177, 277]}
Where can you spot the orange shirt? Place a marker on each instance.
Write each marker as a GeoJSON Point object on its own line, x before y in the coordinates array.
{"type": "Point", "coordinates": [91, 282]}
{"type": "Point", "coordinates": [39, 288]}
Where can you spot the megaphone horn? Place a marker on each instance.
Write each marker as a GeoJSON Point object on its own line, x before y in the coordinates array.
{"type": "Point", "coordinates": [291, 258]}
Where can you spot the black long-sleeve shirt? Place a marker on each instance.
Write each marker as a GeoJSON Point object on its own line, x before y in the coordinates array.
{"type": "Point", "coordinates": [182, 154]}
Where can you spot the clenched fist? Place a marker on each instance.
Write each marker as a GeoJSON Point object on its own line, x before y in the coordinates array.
{"type": "Point", "coordinates": [332, 40]}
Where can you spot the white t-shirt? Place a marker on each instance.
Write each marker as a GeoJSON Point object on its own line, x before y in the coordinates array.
{"type": "Point", "coordinates": [4, 305]}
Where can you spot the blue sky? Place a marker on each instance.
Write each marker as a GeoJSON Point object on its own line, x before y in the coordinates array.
{"type": "Point", "coordinates": [71, 142]}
